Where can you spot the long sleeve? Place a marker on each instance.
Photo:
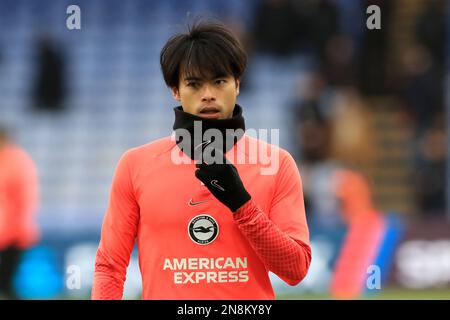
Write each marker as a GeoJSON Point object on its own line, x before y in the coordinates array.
{"type": "Point", "coordinates": [280, 237]}
{"type": "Point", "coordinates": [27, 201]}
{"type": "Point", "coordinates": [118, 235]}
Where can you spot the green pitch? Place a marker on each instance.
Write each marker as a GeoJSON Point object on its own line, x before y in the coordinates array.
{"type": "Point", "coordinates": [387, 294]}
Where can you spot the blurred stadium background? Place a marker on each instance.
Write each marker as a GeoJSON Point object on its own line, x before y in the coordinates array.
{"type": "Point", "coordinates": [363, 111]}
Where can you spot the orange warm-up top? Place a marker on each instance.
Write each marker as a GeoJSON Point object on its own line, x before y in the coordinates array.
{"type": "Point", "coordinates": [18, 198]}
{"type": "Point", "coordinates": [190, 245]}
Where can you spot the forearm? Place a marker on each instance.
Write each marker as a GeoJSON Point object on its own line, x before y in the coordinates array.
{"type": "Point", "coordinates": [108, 282]}
{"type": "Point", "coordinates": [284, 256]}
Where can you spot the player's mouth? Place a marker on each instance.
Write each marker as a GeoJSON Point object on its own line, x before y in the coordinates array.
{"type": "Point", "coordinates": [209, 112]}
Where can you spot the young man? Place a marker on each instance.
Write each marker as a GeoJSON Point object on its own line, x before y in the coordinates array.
{"type": "Point", "coordinates": [205, 228]}
{"type": "Point", "coordinates": [18, 206]}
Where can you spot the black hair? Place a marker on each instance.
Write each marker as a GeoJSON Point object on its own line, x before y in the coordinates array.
{"type": "Point", "coordinates": [207, 50]}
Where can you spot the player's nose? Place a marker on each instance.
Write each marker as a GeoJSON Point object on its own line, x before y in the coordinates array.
{"type": "Point", "coordinates": [207, 94]}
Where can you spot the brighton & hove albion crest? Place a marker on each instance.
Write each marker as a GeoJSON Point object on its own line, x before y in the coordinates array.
{"type": "Point", "coordinates": [203, 229]}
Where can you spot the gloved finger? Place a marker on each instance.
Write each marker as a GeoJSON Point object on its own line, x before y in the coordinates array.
{"type": "Point", "coordinates": [201, 175]}
{"type": "Point", "coordinates": [203, 166]}
{"type": "Point", "coordinates": [210, 170]}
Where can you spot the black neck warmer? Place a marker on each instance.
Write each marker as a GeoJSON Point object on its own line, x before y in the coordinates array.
{"type": "Point", "coordinates": [189, 122]}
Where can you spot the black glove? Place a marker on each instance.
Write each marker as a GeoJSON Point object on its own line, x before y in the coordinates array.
{"type": "Point", "coordinates": [223, 180]}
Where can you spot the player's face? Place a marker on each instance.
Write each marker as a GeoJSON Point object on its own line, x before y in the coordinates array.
{"type": "Point", "coordinates": [208, 98]}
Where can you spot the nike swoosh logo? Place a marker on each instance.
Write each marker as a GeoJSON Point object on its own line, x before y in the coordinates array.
{"type": "Point", "coordinates": [214, 184]}
{"type": "Point", "coordinates": [203, 143]}
{"type": "Point", "coordinates": [192, 203]}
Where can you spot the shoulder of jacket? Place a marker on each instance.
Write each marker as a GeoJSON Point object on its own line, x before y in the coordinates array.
{"type": "Point", "coordinates": [264, 146]}
{"type": "Point", "coordinates": [152, 149]}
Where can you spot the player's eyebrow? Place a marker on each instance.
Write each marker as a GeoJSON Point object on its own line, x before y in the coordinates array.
{"type": "Point", "coordinates": [192, 79]}
{"type": "Point", "coordinates": [218, 76]}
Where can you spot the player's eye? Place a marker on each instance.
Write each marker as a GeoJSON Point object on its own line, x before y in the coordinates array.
{"type": "Point", "coordinates": [220, 81]}
{"type": "Point", "coordinates": [193, 84]}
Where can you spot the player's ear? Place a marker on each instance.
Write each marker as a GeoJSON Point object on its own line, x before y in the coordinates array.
{"type": "Point", "coordinates": [176, 93]}
{"type": "Point", "coordinates": [238, 83]}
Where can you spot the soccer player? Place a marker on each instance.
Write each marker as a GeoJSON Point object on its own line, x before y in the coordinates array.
{"type": "Point", "coordinates": [207, 226]}
{"type": "Point", "coordinates": [18, 206]}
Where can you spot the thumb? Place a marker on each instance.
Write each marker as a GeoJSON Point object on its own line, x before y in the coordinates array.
{"type": "Point", "coordinates": [201, 175]}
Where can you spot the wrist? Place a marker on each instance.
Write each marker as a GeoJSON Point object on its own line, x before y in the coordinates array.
{"type": "Point", "coordinates": [246, 211]}
{"type": "Point", "coordinates": [240, 202]}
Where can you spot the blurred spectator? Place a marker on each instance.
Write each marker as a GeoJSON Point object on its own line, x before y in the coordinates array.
{"type": "Point", "coordinates": [18, 206]}
{"type": "Point", "coordinates": [373, 76]}
{"type": "Point", "coordinates": [423, 86]}
{"type": "Point", "coordinates": [431, 174]}
{"type": "Point", "coordinates": [278, 27]}
{"type": "Point", "coordinates": [322, 24]}
{"type": "Point", "coordinates": [313, 137]}
{"type": "Point", "coordinates": [333, 139]}
{"type": "Point", "coordinates": [339, 60]}
{"type": "Point", "coordinates": [49, 90]}
{"type": "Point", "coordinates": [312, 126]}
{"type": "Point", "coordinates": [287, 27]}
{"type": "Point", "coordinates": [353, 139]}
{"type": "Point", "coordinates": [424, 66]}
{"type": "Point", "coordinates": [430, 30]}
{"type": "Point", "coordinates": [424, 95]}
